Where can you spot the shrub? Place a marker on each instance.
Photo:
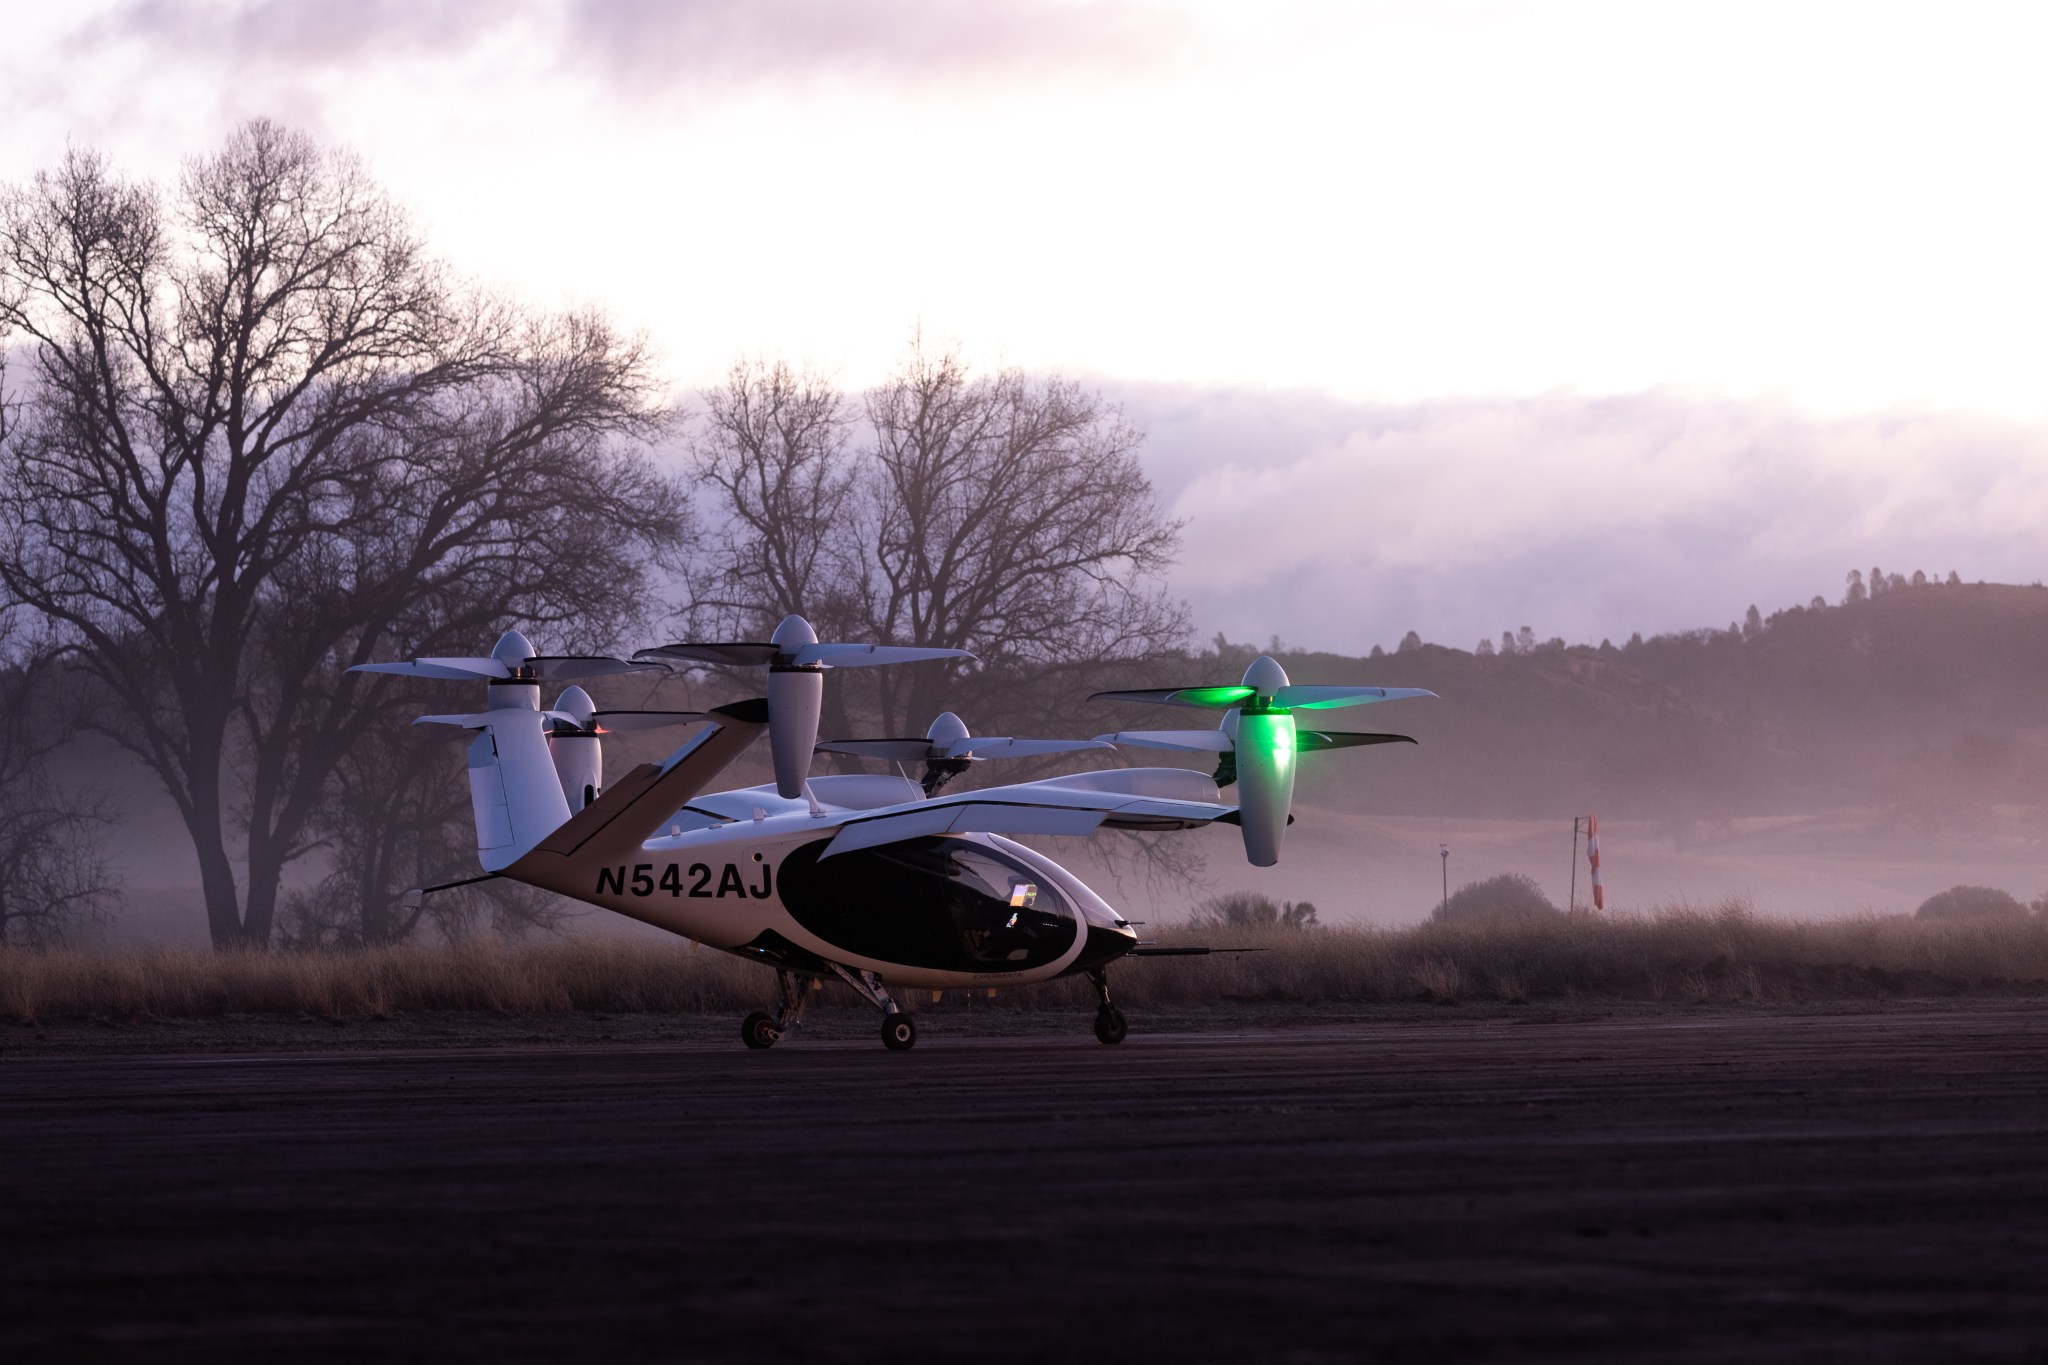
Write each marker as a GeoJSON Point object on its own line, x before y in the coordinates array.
{"type": "Point", "coordinates": [1250, 910]}
{"type": "Point", "coordinates": [1510, 896]}
{"type": "Point", "coordinates": [1971, 902]}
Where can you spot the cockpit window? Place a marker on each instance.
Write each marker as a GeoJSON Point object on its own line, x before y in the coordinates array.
{"type": "Point", "coordinates": [945, 904]}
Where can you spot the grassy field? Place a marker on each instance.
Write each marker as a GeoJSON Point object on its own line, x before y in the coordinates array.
{"type": "Point", "coordinates": [1682, 955]}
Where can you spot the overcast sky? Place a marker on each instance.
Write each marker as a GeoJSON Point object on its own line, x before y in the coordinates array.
{"type": "Point", "coordinates": [1596, 317]}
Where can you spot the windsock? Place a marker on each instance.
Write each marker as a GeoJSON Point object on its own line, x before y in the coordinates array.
{"type": "Point", "coordinates": [1593, 857]}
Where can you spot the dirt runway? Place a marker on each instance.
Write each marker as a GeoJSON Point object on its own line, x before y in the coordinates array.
{"type": "Point", "coordinates": [1746, 1187]}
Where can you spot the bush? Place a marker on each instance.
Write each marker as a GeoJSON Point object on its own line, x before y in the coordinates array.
{"type": "Point", "coordinates": [1510, 896]}
{"type": "Point", "coordinates": [1250, 910]}
{"type": "Point", "coordinates": [1971, 902]}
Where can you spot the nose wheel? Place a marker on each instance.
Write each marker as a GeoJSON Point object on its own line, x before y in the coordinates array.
{"type": "Point", "coordinates": [760, 1029]}
{"type": "Point", "coordinates": [899, 1032]}
{"type": "Point", "coordinates": [1110, 1026]}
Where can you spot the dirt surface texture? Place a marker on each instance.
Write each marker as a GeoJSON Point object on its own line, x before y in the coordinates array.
{"type": "Point", "coordinates": [1534, 1185]}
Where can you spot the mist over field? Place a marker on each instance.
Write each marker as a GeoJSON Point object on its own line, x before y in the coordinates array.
{"type": "Point", "coordinates": [1829, 762]}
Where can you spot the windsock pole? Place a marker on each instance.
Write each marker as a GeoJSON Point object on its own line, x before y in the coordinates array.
{"type": "Point", "coordinates": [1593, 857]}
{"type": "Point", "coordinates": [1572, 903]}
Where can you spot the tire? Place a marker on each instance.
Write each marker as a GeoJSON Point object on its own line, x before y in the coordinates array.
{"type": "Point", "coordinates": [758, 1030]}
{"type": "Point", "coordinates": [899, 1032]}
{"type": "Point", "coordinates": [1109, 1025]}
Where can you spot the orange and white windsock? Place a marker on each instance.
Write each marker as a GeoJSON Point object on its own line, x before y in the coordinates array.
{"type": "Point", "coordinates": [1593, 857]}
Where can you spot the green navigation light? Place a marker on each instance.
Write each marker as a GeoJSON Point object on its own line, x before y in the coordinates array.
{"type": "Point", "coordinates": [1214, 696]}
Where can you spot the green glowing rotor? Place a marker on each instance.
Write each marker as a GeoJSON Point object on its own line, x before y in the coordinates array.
{"type": "Point", "coordinates": [1214, 696]}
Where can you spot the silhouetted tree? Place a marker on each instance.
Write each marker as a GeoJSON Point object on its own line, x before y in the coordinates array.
{"type": "Point", "coordinates": [1409, 642]}
{"type": "Point", "coordinates": [1856, 591]}
{"type": "Point", "coordinates": [1001, 514]}
{"type": "Point", "coordinates": [1971, 902]}
{"type": "Point", "coordinates": [1484, 649]}
{"type": "Point", "coordinates": [1752, 623]}
{"type": "Point", "coordinates": [1954, 580]}
{"type": "Point", "coordinates": [264, 437]}
{"type": "Point", "coordinates": [53, 868]}
{"type": "Point", "coordinates": [1250, 910]}
{"type": "Point", "coordinates": [1511, 895]}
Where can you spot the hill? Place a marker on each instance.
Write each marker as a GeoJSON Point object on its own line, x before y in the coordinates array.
{"type": "Point", "coordinates": [1926, 699]}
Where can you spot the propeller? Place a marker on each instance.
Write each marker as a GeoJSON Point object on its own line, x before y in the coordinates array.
{"type": "Point", "coordinates": [1258, 739]}
{"type": "Point", "coordinates": [947, 749]}
{"type": "Point", "coordinates": [796, 662]}
{"type": "Point", "coordinates": [574, 729]}
{"type": "Point", "coordinates": [511, 660]}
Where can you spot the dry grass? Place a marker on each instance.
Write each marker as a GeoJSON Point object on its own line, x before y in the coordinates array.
{"type": "Point", "coordinates": [1680, 955]}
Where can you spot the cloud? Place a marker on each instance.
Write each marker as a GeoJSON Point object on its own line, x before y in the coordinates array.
{"type": "Point", "coordinates": [1341, 525]}
{"type": "Point", "coordinates": [649, 43]}
{"type": "Point", "coordinates": [653, 45]}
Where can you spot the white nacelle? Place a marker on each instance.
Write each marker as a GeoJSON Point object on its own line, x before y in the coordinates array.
{"type": "Point", "coordinates": [796, 696]}
{"type": "Point", "coordinates": [1265, 763]}
{"type": "Point", "coordinates": [579, 759]}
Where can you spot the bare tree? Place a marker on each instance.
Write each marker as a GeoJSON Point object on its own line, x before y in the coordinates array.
{"type": "Point", "coordinates": [773, 443]}
{"type": "Point", "coordinates": [1000, 514]}
{"type": "Point", "coordinates": [265, 437]}
{"type": "Point", "coordinates": [53, 868]}
{"type": "Point", "coordinates": [1008, 516]}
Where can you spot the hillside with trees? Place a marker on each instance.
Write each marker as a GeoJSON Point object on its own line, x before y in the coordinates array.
{"type": "Point", "coordinates": [1922, 706]}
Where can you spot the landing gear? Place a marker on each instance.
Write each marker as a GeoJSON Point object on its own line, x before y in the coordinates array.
{"type": "Point", "coordinates": [1110, 1026]}
{"type": "Point", "coordinates": [761, 1030]}
{"type": "Point", "coordinates": [899, 1030]}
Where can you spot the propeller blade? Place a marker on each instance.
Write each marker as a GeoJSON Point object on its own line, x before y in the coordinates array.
{"type": "Point", "coordinates": [1313, 741]}
{"type": "Point", "coordinates": [864, 656]}
{"type": "Point", "coordinates": [470, 722]}
{"type": "Point", "coordinates": [459, 670]}
{"type": "Point", "coordinates": [1182, 741]}
{"type": "Point", "coordinates": [1324, 698]}
{"type": "Point", "coordinates": [977, 746]}
{"type": "Point", "coordinates": [621, 722]}
{"type": "Point", "coordinates": [556, 667]}
{"type": "Point", "coordinates": [900, 750]}
{"type": "Point", "coordinates": [737, 654]}
{"type": "Point", "coordinates": [1213, 698]}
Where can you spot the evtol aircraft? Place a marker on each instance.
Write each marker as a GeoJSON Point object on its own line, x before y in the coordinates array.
{"type": "Point", "coordinates": [874, 880]}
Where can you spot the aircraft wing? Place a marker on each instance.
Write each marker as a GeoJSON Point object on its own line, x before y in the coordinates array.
{"type": "Point", "coordinates": [1122, 798]}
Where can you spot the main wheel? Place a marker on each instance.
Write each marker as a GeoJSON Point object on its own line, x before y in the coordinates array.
{"type": "Point", "coordinates": [899, 1032]}
{"type": "Point", "coordinates": [758, 1030]}
{"type": "Point", "coordinates": [1109, 1024]}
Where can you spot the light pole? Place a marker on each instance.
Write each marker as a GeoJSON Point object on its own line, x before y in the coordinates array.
{"type": "Point", "coordinates": [1444, 851]}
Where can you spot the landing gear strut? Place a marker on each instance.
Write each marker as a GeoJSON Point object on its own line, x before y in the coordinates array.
{"type": "Point", "coordinates": [764, 1030]}
{"type": "Point", "coordinates": [899, 1030]}
{"type": "Point", "coordinates": [1109, 1020]}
